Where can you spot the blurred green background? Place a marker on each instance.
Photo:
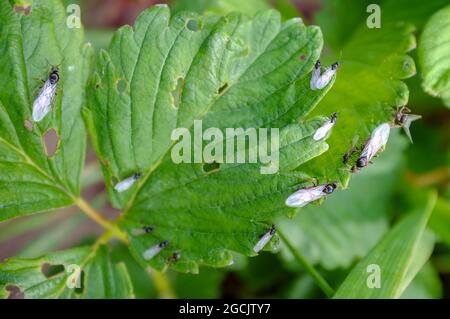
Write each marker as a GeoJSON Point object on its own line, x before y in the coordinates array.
{"type": "Point", "coordinates": [333, 237]}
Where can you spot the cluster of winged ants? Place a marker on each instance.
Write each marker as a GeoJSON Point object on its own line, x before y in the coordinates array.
{"type": "Point", "coordinates": [374, 145]}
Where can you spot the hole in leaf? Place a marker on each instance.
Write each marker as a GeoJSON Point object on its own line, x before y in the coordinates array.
{"type": "Point", "coordinates": [50, 270]}
{"type": "Point", "coordinates": [176, 94]}
{"type": "Point", "coordinates": [24, 9]}
{"type": "Point", "coordinates": [28, 125]}
{"type": "Point", "coordinates": [211, 167]}
{"type": "Point", "coordinates": [121, 85]}
{"type": "Point", "coordinates": [193, 25]}
{"type": "Point", "coordinates": [14, 292]}
{"type": "Point", "coordinates": [223, 88]}
{"type": "Point", "coordinates": [51, 141]}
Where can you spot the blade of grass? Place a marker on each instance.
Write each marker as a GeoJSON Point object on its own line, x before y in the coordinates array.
{"type": "Point", "coordinates": [396, 259]}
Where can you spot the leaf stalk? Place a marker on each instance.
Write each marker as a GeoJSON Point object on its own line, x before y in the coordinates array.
{"type": "Point", "coordinates": [162, 284]}
{"type": "Point", "coordinates": [99, 219]}
{"type": "Point", "coordinates": [320, 281]}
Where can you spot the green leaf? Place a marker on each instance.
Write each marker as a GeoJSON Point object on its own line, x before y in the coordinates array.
{"type": "Point", "coordinates": [434, 56]}
{"type": "Point", "coordinates": [220, 7]}
{"type": "Point", "coordinates": [399, 255]}
{"type": "Point", "coordinates": [224, 7]}
{"type": "Point", "coordinates": [229, 72]}
{"type": "Point", "coordinates": [368, 87]}
{"type": "Point", "coordinates": [415, 12]}
{"type": "Point", "coordinates": [51, 276]}
{"type": "Point", "coordinates": [143, 285]}
{"type": "Point", "coordinates": [31, 181]}
{"type": "Point", "coordinates": [440, 220]}
{"type": "Point", "coordinates": [303, 287]}
{"type": "Point", "coordinates": [426, 285]}
{"type": "Point", "coordinates": [100, 38]}
{"type": "Point", "coordinates": [349, 223]}
{"type": "Point", "coordinates": [339, 19]}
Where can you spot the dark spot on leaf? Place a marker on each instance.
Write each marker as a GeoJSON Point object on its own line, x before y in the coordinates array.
{"type": "Point", "coordinates": [211, 167]}
{"type": "Point", "coordinates": [193, 25]}
{"type": "Point", "coordinates": [302, 57]}
{"type": "Point", "coordinates": [28, 125]}
{"type": "Point", "coordinates": [24, 9]}
{"type": "Point", "coordinates": [246, 51]}
{"type": "Point", "coordinates": [121, 85]}
{"type": "Point", "coordinates": [51, 141]}
{"type": "Point", "coordinates": [14, 292]}
{"type": "Point", "coordinates": [50, 270]}
{"type": "Point", "coordinates": [105, 162]}
{"type": "Point", "coordinates": [176, 94]}
{"type": "Point", "coordinates": [223, 88]}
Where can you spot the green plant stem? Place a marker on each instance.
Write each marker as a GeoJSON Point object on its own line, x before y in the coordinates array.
{"type": "Point", "coordinates": [99, 219]}
{"type": "Point", "coordinates": [320, 281]}
{"type": "Point", "coordinates": [162, 284]}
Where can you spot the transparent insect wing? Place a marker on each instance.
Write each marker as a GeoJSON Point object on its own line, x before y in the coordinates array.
{"type": "Point", "coordinates": [370, 149]}
{"type": "Point", "coordinates": [367, 150]}
{"type": "Point", "coordinates": [325, 78]}
{"type": "Point", "coordinates": [141, 231]}
{"type": "Point", "coordinates": [409, 119]}
{"type": "Point", "coordinates": [125, 184]}
{"type": "Point", "coordinates": [43, 103]}
{"type": "Point", "coordinates": [152, 252]}
{"type": "Point", "coordinates": [381, 134]}
{"type": "Point", "coordinates": [315, 77]}
{"type": "Point", "coordinates": [304, 196]}
{"type": "Point", "coordinates": [138, 231]}
{"type": "Point", "coordinates": [322, 131]}
{"type": "Point", "coordinates": [377, 141]}
{"type": "Point", "coordinates": [263, 241]}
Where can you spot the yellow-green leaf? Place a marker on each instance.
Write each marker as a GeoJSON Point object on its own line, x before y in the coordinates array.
{"type": "Point", "coordinates": [392, 264]}
{"type": "Point", "coordinates": [434, 55]}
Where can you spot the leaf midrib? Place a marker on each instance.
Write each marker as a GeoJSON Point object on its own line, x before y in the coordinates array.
{"type": "Point", "coordinates": [30, 162]}
{"type": "Point", "coordinates": [226, 168]}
